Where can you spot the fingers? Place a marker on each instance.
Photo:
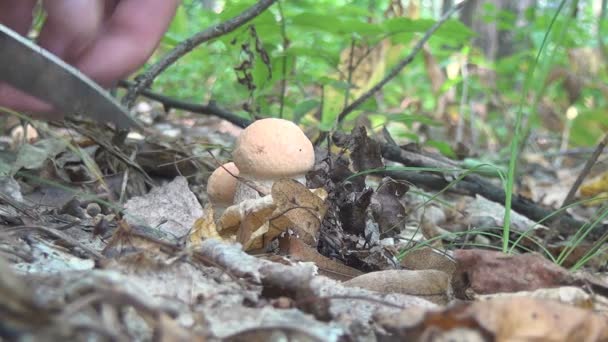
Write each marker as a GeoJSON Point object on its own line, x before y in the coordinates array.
{"type": "Point", "coordinates": [129, 37]}
{"type": "Point", "coordinates": [17, 14]}
{"type": "Point", "coordinates": [20, 101]}
{"type": "Point", "coordinates": [71, 26]}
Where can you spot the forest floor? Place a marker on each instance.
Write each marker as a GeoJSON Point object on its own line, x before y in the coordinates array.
{"type": "Point", "coordinates": [106, 242]}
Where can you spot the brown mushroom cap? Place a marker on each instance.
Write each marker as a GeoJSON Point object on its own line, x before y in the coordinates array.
{"type": "Point", "coordinates": [221, 185]}
{"type": "Point", "coordinates": [273, 148]}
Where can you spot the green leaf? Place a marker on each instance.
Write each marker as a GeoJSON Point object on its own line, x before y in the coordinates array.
{"type": "Point", "coordinates": [33, 156]}
{"type": "Point", "coordinates": [409, 119]}
{"type": "Point", "coordinates": [451, 29]}
{"type": "Point", "coordinates": [179, 24]}
{"type": "Point", "coordinates": [304, 107]}
{"type": "Point", "coordinates": [334, 24]}
{"type": "Point", "coordinates": [443, 147]}
{"type": "Point", "coordinates": [7, 159]}
{"type": "Point", "coordinates": [587, 127]}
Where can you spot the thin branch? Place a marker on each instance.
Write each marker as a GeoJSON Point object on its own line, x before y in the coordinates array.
{"type": "Point", "coordinates": [473, 185]}
{"type": "Point", "coordinates": [145, 80]}
{"type": "Point", "coordinates": [56, 234]}
{"type": "Point", "coordinates": [210, 109]}
{"type": "Point", "coordinates": [397, 69]}
{"type": "Point", "coordinates": [585, 171]}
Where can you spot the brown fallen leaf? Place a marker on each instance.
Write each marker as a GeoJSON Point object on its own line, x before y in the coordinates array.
{"type": "Point", "coordinates": [486, 272]}
{"type": "Point", "coordinates": [297, 250]}
{"type": "Point", "coordinates": [431, 285]}
{"type": "Point", "coordinates": [571, 295]}
{"type": "Point", "coordinates": [230, 221]}
{"type": "Point", "coordinates": [365, 153]}
{"type": "Point", "coordinates": [304, 209]}
{"type": "Point", "coordinates": [204, 227]}
{"type": "Point", "coordinates": [427, 258]}
{"type": "Point", "coordinates": [279, 333]}
{"type": "Point", "coordinates": [386, 205]}
{"type": "Point", "coordinates": [256, 222]}
{"type": "Point", "coordinates": [513, 319]}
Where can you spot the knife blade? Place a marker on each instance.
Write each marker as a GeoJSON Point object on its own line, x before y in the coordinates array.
{"type": "Point", "coordinates": [34, 70]}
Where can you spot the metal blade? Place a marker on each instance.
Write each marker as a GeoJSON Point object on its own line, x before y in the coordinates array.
{"type": "Point", "coordinates": [34, 70]}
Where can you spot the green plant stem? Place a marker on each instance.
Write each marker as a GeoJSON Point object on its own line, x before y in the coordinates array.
{"type": "Point", "coordinates": [517, 137]}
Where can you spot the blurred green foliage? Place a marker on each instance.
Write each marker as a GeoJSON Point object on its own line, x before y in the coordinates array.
{"type": "Point", "coordinates": [321, 32]}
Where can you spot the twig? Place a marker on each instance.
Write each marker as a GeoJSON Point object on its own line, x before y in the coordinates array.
{"type": "Point", "coordinates": [473, 184]}
{"type": "Point", "coordinates": [125, 180]}
{"type": "Point", "coordinates": [56, 234]}
{"type": "Point", "coordinates": [397, 69]}
{"type": "Point", "coordinates": [585, 171]}
{"type": "Point", "coordinates": [110, 148]}
{"type": "Point", "coordinates": [145, 80]}
{"type": "Point", "coordinates": [210, 109]}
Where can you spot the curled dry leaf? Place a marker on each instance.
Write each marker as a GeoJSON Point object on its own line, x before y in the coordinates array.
{"type": "Point", "coordinates": [247, 220]}
{"type": "Point", "coordinates": [386, 206]}
{"type": "Point", "coordinates": [204, 227]}
{"type": "Point", "coordinates": [304, 209]}
{"type": "Point", "coordinates": [353, 211]}
{"type": "Point", "coordinates": [256, 222]}
{"type": "Point", "coordinates": [365, 153]}
{"type": "Point", "coordinates": [513, 319]}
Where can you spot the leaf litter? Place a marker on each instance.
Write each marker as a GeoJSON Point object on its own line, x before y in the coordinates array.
{"type": "Point", "coordinates": [349, 255]}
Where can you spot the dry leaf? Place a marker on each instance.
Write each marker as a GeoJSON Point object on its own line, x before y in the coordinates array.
{"type": "Point", "coordinates": [256, 222]}
{"type": "Point", "coordinates": [492, 272]}
{"type": "Point", "coordinates": [231, 219]}
{"type": "Point", "coordinates": [204, 227]}
{"type": "Point", "coordinates": [299, 251]}
{"type": "Point", "coordinates": [570, 295]}
{"type": "Point", "coordinates": [386, 205]}
{"type": "Point", "coordinates": [427, 258]}
{"type": "Point", "coordinates": [595, 186]}
{"type": "Point", "coordinates": [513, 319]}
{"type": "Point", "coordinates": [431, 285]}
{"type": "Point", "coordinates": [353, 211]}
{"type": "Point", "coordinates": [171, 208]}
{"type": "Point", "coordinates": [247, 220]}
{"type": "Point", "coordinates": [365, 153]}
{"type": "Point", "coordinates": [301, 207]}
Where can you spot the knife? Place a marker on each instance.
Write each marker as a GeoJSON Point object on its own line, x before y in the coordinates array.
{"type": "Point", "coordinates": [34, 70]}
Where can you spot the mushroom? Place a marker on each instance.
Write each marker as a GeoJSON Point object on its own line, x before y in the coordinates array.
{"type": "Point", "coordinates": [221, 186]}
{"type": "Point", "coordinates": [268, 150]}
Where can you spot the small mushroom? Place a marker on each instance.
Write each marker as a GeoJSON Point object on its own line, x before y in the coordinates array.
{"type": "Point", "coordinates": [221, 186]}
{"type": "Point", "coordinates": [268, 150]}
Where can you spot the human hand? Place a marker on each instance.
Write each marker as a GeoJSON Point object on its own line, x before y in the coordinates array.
{"type": "Point", "coordinates": [105, 40]}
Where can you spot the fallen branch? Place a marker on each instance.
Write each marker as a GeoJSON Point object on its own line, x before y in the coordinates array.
{"type": "Point", "coordinates": [476, 185]}
{"type": "Point", "coordinates": [209, 109]}
{"type": "Point", "coordinates": [145, 80]}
